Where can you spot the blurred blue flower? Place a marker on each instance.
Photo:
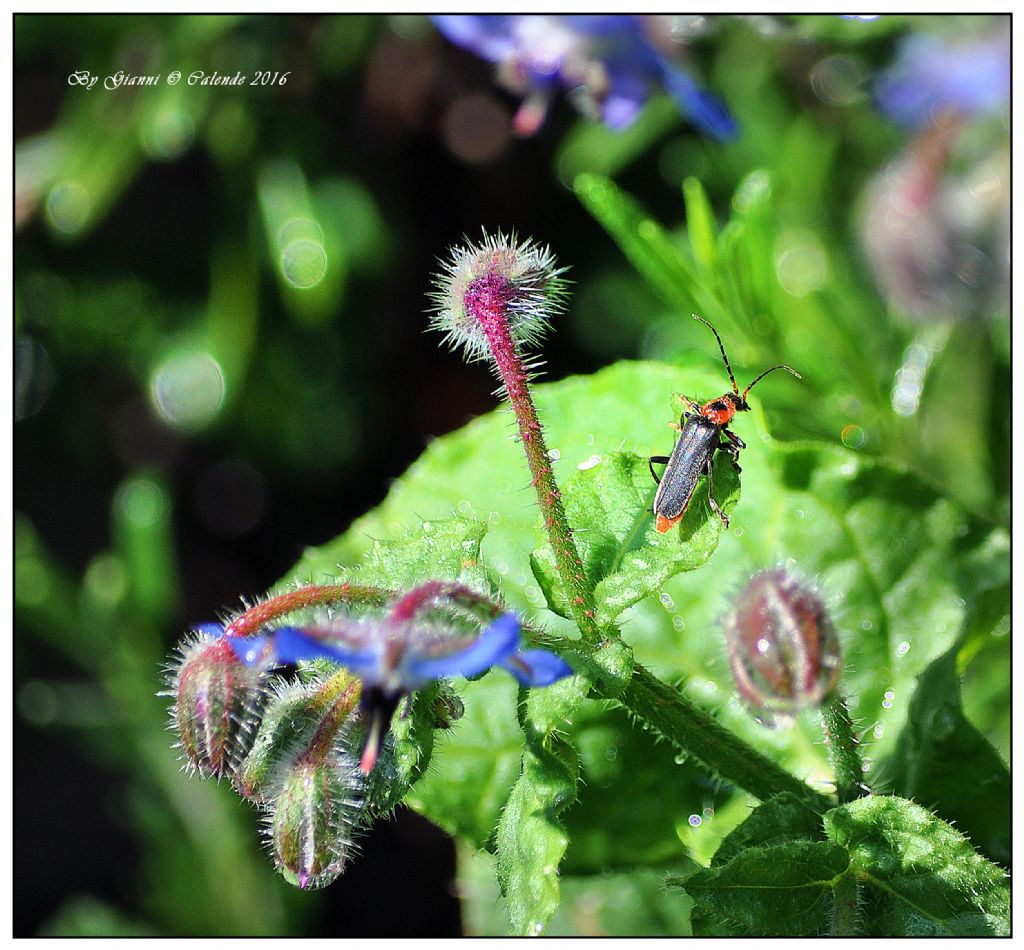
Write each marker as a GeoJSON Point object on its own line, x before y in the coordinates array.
{"type": "Point", "coordinates": [395, 659]}
{"type": "Point", "coordinates": [607, 63]}
{"type": "Point", "coordinates": [931, 78]}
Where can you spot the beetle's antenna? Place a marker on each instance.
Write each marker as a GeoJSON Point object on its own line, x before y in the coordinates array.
{"type": "Point", "coordinates": [788, 369]}
{"type": "Point", "coordinates": [735, 388]}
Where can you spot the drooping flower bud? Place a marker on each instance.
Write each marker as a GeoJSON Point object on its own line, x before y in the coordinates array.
{"type": "Point", "coordinates": [783, 649]}
{"type": "Point", "coordinates": [297, 715]}
{"type": "Point", "coordinates": [303, 769]}
{"type": "Point", "coordinates": [315, 818]}
{"type": "Point", "coordinates": [216, 696]}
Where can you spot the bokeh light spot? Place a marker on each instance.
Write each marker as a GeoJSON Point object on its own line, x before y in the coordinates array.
{"type": "Point", "coordinates": [188, 389]}
{"type": "Point", "coordinates": [754, 188]}
{"type": "Point", "coordinates": [68, 206]}
{"type": "Point", "coordinates": [168, 134]}
{"type": "Point", "coordinates": [839, 80]}
{"type": "Point", "coordinates": [800, 264]}
{"type": "Point", "coordinates": [853, 436]}
{"type": "Point", "coordinates": [143, 502]}
{"type": "Point", "coordinates": [33, 377]}
{"type": "Point", "coordinates": [476, 128]}
{"type": "Point", "coordinates": [303, 263]}
{"type": "Point", "coordinates": [106, 580]}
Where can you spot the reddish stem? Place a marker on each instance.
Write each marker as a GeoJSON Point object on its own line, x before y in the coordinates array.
{"type": "Point", "coordinates": [259, 615]}
{"type": "Point", "coordinates": [489, 299]}
{"type": "Point", "coordinates": [434, 593]}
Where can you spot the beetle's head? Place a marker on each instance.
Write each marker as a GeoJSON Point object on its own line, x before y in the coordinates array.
{"type": "Point", "coordinates": [739, 404]}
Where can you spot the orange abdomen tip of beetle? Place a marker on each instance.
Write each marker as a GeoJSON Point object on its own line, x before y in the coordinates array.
{"type": "Point", "coordinates": [664, 524]}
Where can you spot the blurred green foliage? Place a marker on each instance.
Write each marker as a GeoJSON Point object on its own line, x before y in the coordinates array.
{"type": "Point", "coordinates": [237, 275]}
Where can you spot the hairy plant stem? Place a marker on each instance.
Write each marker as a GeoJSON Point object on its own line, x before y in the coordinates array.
{"type": "Point", "coordinates": [843, 750]}
{"type": "Point", "coordinates": [695, 732]}
{"type": "Point", "coordinates": [845, 908]}
{"type": "Point", "coordinates": [568, 563]}
{"type": "Point", "coordinates": [253, 620]}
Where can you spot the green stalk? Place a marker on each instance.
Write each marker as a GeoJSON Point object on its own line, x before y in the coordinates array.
{"type": "Point", "coordinates": [843, 750]}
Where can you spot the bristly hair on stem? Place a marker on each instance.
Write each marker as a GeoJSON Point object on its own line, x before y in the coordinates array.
{"type": "Point", "coordinates": [517, 282]}
{"type": "Point", "coordinates": [492, 300]}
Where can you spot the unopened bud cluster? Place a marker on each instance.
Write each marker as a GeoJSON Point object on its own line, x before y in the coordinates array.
{"type": "Point", "coordinates": [315, 751]}
{"type": "Point", "coordinates": [286, 746]}
{"type": "Point", "coordinates": [498, 287]}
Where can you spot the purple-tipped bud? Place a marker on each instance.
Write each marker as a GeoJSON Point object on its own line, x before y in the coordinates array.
{"type": "Point", "coordinates": [215, 695]}
{"type": "Point", "coordinates": [495, 294]}
{"type": "Point", "coordinates": [314, 818]}
{"type": "Point", "coordinates": [783, 649]}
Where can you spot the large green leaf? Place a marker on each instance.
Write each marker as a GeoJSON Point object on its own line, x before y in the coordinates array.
{"type": "Point", "coordinates": [771, 890]}
{"type": "Point", "coordinates": [475, 762]}
{"type": "Point", "coordinates": [635, 800]}
{"type": "Point", "coordinates": [975, 794]}
{"type": "Point", "coordinates": [933, 881]}
{"type": "Point", "coordinates": [622, 552]}
{"type": "Point", "coordinates": [897, 565]}
{"type": "Point", "coordinates": [781, 819]}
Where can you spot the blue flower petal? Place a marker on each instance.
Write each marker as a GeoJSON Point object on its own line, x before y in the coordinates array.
{"type": "Point", "coordinates": [490, 37]}
{"type": "Point", "coordinates": [537, 667]}
{"type": "Point", "coordinates": [706, 111]}
{"type": "Point", "coordinates": [931, 77]}
{"type": "Point", "coordinates": [292, 645]}
{"type": "Point", "coordinates": [250, 650]}
{"type": "Point", "coordinates": [626, 95]}
{"type": "Point", "coordinates": [492, 646]}
{"type": "Point", "coordinates": [209, 629]}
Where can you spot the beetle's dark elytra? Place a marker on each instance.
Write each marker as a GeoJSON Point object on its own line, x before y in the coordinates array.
{"type": "Point", "coordinates": [691, 458]}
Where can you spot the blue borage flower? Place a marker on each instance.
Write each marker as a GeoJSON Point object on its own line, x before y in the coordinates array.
{"type": "Point", "coordinates": [931, 78]}
{"type": "Point", "coordinates": [607, 63]}
{"type": "Point", "coordinates": [395, 659]}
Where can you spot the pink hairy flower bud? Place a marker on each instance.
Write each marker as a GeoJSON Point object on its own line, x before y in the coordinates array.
{"type": "Point", "coordinates": [496, 295]}
{"type": "Point", "coordinates": [783, 649]}
{"type": "Point", "coordinates": [215, 699]}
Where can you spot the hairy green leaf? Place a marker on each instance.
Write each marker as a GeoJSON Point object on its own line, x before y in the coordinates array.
{"type": "Point", "coordinates": [768, 891]}
{"type": "Point", "coordinates": [933, 881]}
{"type": "Point", "coordinates": [531, 840]}
{"type": "Point", "coordinates": [975, 795]}
{"type": "Point", "coordinates": [622, 551]}
{"type": "Point", "coordinates": [781, 819]}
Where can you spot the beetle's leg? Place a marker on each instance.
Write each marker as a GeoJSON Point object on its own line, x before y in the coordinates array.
{"type": "Point", "coordinates": [661, 460]}
{"type": "Point", "coordinates": [733, 448]}
{"type": "Point", "coordinates": [711, 498]}
{"type": "Point", "coordinates": [695, 406]}
{"type": "Point", "coordinates": [734, 455]}
{"type": "Point", "coordinates": [735, 439]}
